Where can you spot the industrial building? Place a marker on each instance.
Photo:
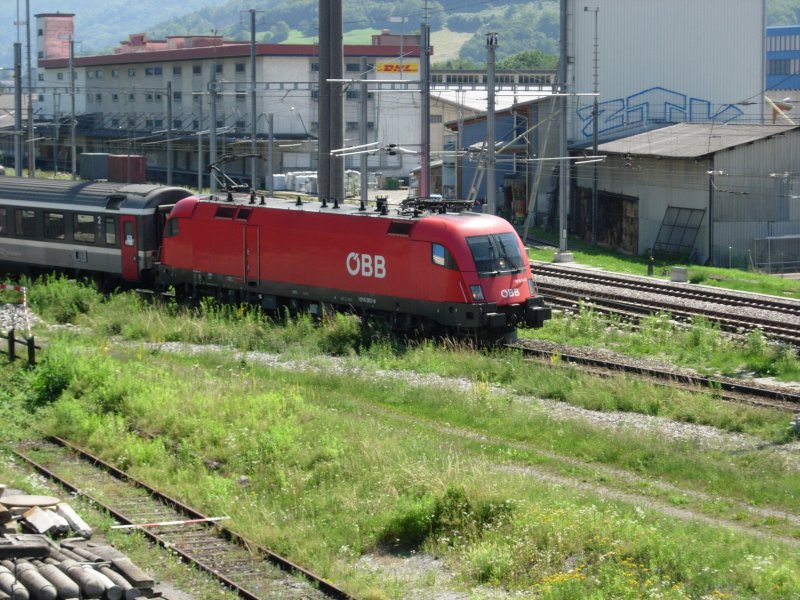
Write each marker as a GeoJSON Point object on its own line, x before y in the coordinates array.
{"type": "Point", "coordinates": [149, 91]}
{"type": "Point", "coordinates": [701, 157]}
{"type": "Point", "coordinates": [709, 192]}
{"type": "Point", "coordinates": [633, 68]}
{"type": "Point", "coordinates": [167, 99]}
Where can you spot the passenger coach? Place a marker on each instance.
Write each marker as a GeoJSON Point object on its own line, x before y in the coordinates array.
{"type": "Point", "coordinates": [112, 230]}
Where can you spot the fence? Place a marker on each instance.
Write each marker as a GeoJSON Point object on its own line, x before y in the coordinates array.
{"type": "Point", "coordinates": [11, 346]}
{"type": "Point", "coordinates": [777, 254]}
{"type": "Point", "coordinates": [11, 336]}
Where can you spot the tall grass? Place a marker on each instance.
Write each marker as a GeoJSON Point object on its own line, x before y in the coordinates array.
{"type": "Point", "coordinates": [60, 299]}
{"type": "Point", "coordinates": [324, 467]}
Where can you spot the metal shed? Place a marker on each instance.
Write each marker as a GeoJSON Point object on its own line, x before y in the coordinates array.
{"type": "Point", "coordinates": [740, 179]}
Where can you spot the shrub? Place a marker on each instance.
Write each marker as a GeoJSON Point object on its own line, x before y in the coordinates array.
{"type": "Point", "coordinates": [61, 299]}
{"type": "Point", "coordinates": [51, 377]}
{"type": "Point", "coordinates": [341, 335]}
{"type": "Point", "coordinates": [451, 519]}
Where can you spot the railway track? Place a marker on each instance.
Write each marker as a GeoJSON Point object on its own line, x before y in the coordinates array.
{"type": "Point", "coordinates": [729, 389]}
{"type": "Point", "coordinates": [730, 298]}
{"type": "Point", "coordinates": [253, 572]}
{"type": "Point", "coordinates": [632, 298]}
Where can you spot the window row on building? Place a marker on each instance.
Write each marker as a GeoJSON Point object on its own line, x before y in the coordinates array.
{"type": "Point", "coordinates": [500, 78]}
{"type": "Point", "coordinates": [784, 66]}
{"type": "Point", "coordinates": [783, 43]}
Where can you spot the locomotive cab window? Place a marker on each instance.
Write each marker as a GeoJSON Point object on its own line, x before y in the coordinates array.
{"type": "Point", "coordinates": [496, 253]}
{"type": "Point", "coordinates": [3, 222]}
{"type": "Point", "coordinates": [25, 222]}
{"type": "Point", "coordinates": [54, 226]}
{"type": "Point", "coordinates": [441, 256]}
{"type": "Point", "coordinates": [83, 229]}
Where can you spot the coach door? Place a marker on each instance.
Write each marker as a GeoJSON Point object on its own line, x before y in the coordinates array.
{"type": "Point", "coordinates": [130, 248]}
{"type": "Point", "coordinates": [251, 255]}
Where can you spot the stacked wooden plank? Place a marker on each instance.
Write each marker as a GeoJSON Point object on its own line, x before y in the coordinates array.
{"type": "Point", "coordinates": [46, 564]}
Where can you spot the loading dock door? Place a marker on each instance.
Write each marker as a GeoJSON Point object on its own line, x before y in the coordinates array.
{"type": "Point", "coordinates": [618, 221]}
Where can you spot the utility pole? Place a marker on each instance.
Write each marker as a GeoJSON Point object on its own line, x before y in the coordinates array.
{"type": "Point", "coordinates": [200, 145]}
{"type": "Point", "coordinates": [491, 178]}
{"type": "Point", "coordinates": [31, 142]}
{"type": "Point", "coordinates": [57, 128]}
{"type": "Point", "coordinates": [169, 133]}
{"type": "Point", "coordinates": [595, 115]}
{"type": "Point", "coordinates": [212, 138]}
{"type": "Point", "coordinates": [253, 149]}
{"type": "Point", "coordinates": [73, 150]}
{"type": "Point", "coordinates": [330, 167]}
{"type": "Point", "coordinates": [425, 108]}
{"type": "Point", "coordinates": [336, 100]}
{"type": "Point", "coordinates": [270, 142]}
{"type": "Point", "coordinates": [324, 135]}
{"type": "Point", "coordinates": [18, 109]}
{"type": "Point", "coordinates": [362, 130]}
{"type": "Point", "coordinates": [563, 196]}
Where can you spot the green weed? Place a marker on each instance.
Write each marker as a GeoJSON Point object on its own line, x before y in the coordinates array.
{"type": "Point", "coordinates": [63, 300]}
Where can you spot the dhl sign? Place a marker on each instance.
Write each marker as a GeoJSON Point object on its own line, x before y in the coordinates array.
{"type": "Point", "coordinates": [396, 67]}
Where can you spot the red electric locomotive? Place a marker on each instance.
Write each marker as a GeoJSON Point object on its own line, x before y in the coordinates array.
{"type": "Point", "coordinates": [419, 269]}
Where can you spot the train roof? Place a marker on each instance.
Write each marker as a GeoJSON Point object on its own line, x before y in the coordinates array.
{"type": "Point", "coordinates": [98, 195]}
{"type": "Point", "coordinates": [406, 210]}
{"type": "Point", "coordinates": [417, 216]}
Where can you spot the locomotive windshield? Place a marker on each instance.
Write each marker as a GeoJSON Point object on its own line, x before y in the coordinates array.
{"type": "Point", "coordinates": [496, 253]}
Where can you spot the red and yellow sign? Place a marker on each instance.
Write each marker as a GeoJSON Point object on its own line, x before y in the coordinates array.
{"type": "Point", "coordinates": [397, 67]}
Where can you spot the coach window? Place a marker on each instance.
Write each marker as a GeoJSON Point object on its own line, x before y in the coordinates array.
{"type": "Point", "coordinates": [54, 226]}
{"type": "Point", "coordinates": [83, 230]}
{"type": "Point", "coordinates": [441, 256]}
{"type": "Point", "coordinates": [3, 222]}
{"type": "Point", "coordinates": [111, 231]}
{"type": "Point", "coordinates": [25, 222]}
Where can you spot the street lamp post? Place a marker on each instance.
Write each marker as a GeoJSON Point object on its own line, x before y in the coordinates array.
{"type": "Point", "coordinates": [402, 20]}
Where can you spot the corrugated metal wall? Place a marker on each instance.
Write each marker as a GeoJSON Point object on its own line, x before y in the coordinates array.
{"type": "Point", "coordinates": [758, 196]}
{"type": "Point", "coordinates": [685, 59]}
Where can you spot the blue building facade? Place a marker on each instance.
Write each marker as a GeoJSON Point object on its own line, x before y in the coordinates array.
{"type": "Point", "coordinates": [513, 167]}
{"type": "Point", "coordinates": [783, 58]}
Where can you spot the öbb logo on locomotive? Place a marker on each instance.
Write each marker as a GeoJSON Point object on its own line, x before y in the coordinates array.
{"type": "Point", "coordinates": [510, 293]}
{"type": "Point", "coordinates": [366, 265]}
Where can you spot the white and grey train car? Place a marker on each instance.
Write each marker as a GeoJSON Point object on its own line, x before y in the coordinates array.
{"type": "Point", "coordinates": [109, 230]}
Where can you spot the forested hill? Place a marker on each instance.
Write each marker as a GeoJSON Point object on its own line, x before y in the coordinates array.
{"type": "Point", "coordinates": [457, 26]}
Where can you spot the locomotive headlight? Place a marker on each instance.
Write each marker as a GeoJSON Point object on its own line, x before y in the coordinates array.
{"type": "Point", "coordinates": [531, 287]}
{"type": "Point", "coordinates": [477, 293]}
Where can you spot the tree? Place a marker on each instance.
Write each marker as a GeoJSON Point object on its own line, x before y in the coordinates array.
{"type": "Point", "coordinates": [460, 64]}
{"type": "Point", "coordinates": [529, 59]}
